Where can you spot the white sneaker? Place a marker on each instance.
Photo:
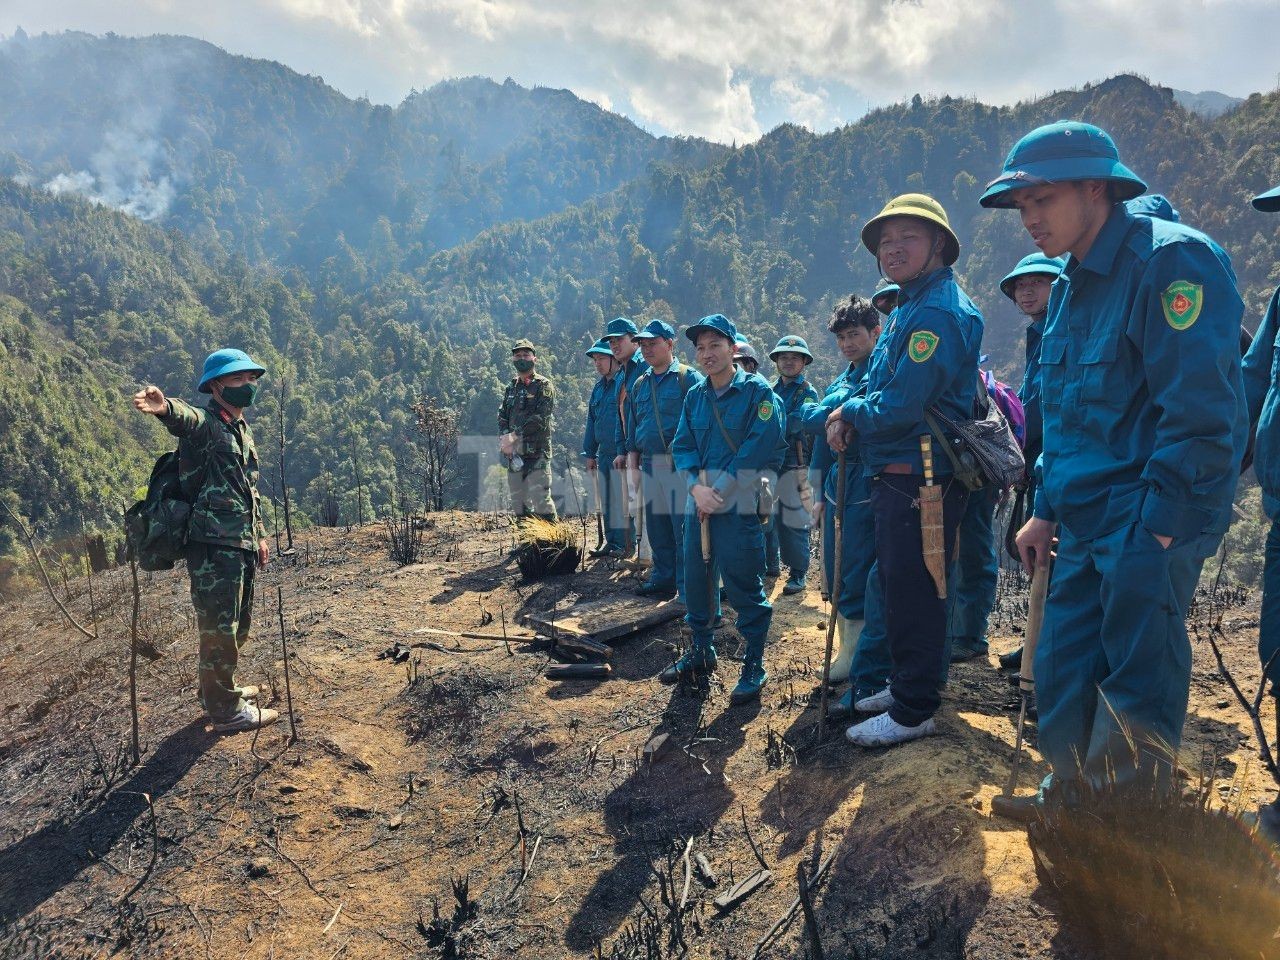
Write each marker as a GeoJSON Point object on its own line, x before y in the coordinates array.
{"type": "Point", "coordinates": [883, 731]}
{"type": "Point", "coordinates": [850, 631]}
{"type": "Point", "coordinates": [248, 717]}
{"type": "Point", "coordinates": [876, 703]}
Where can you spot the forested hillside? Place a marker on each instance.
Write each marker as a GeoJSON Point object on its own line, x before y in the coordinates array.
{"type": "Point", "coordinates": [373, 255]}
{"type": "Point", "coordinates": [247, 156]}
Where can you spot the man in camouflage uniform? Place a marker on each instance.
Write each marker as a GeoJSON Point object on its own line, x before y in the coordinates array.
{"type": "Point", "coordinates": [524, 421]}
{"type": "Point", "coordinates": [226, 537]}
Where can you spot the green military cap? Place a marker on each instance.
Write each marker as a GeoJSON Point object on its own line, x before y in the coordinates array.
{"type": "Point", "coordinates": [523, 344]}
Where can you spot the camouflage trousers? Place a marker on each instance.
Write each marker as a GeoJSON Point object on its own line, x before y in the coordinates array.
{"type": "Point", "coordinates": [222, 594]}
{"type": "Point", "coordinates": [530, 488]}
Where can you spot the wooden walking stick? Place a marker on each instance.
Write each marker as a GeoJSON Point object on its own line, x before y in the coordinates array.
{"type": "Point", "coordinates": [712, 586]}
{"type": "Point", "coordinates": [1026, 677]}
{"type": "Point", "coordinates": [837, 521]}
{"type": "Point", "coordinates": [595, 485]}
{"type": "Point", "coordinates": [932, 534]}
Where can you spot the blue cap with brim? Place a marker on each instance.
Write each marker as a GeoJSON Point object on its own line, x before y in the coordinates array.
{"type": "Point", "coordinates": [220, 363]}
{"type": "Point", "coordinates": [718, 323]}
{"type": "Point", "coordinates": [1268, 202]}
{"type": "Point", "coordinates": [792, 344]}
{"type": "Point", "coordinates": [888, 292]}
{"type": "Point", "coordinates": [1153, 205]}
{"type": "Point", "coordinates": [1059, 153]}
{"type": "Point", "coordinates": [619, 327]}
{"type": "Point", "coordinates": [600, 349]}
{"type": "Point", "coordinates": [1033, 264]}
{"type": "Point", "coordinates": [655, 329]}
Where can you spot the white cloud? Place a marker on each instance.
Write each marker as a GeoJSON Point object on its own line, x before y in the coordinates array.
{"type": "Point", "coordinates": [691, 66]}
{"type": "Point", "coordinates": [809, 108]}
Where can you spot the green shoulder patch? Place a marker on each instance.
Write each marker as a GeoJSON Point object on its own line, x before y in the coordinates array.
{"type": "Point", "coordinates": [765, 411]}
{"type": "Point", "coordinates": [922, 345]}
{"type": "Point", "coordinates": [1181, 302]}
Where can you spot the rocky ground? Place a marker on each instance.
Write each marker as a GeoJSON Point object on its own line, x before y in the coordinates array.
{"type": "Point", "coordinates": [459, 804]}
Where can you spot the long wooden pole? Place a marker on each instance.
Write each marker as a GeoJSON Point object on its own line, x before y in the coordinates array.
{"type": "Point", "coordinates": [838, 528]}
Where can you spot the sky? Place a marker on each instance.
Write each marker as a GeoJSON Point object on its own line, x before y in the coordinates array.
{"type": "Point", "coordinates": [728, 70]}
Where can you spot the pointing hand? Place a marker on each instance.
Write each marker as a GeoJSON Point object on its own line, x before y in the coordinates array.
{"type": "Point", "coordinates": [150, 400]}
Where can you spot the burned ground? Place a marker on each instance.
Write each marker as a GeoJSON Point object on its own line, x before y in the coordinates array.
{"type": "Point", "coordinates": [459, 804]}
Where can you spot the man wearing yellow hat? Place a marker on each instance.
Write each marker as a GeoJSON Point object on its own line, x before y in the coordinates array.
{"type": "Point", "coordinates": [928, 361]}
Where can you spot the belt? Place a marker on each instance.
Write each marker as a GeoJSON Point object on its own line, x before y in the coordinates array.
{"type": "Point", "coordinates": [900, 468]}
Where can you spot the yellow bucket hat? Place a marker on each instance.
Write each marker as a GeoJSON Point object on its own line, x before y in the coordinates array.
{"type": "Point", "coordinates": [917, 205]}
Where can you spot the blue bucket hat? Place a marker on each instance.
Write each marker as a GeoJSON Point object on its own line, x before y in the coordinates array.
{"type": "Point", "coordinates": [717, 322]}
{"type": "Point", "coordinates": [1031, 265]}
{"type": "Point", "coordinates": [792, 344]}
{"type": "Point", "coordinates": [655, 329]}
{"type": "Point", "coordinates": [619, 327]}
{"type": "Point", "coordinates": [1061, 152]}
{"type": "Point", "coordinates": [222, 362]}
{"type": "Point", "coordinates": [1153, 205]}
{"type": "Point", "coordinates": [600, 348]}
{"type": "Point", "coordinates": [1268, 202]}
{"type": "Point", "coordinates": [888, 292]}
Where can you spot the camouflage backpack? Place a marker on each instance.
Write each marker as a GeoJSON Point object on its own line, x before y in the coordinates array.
{"type": "Point", "coordinates": [156, 526]}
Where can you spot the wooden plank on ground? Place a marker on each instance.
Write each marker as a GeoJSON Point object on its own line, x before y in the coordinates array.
{"type": "Point", "coordinates": [742, 889]}
{"type": "Point", "coordinates": [608, 618]}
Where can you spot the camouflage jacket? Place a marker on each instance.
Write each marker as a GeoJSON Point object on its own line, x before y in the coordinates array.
{"type": "Point", "coordinates": [526, 412]}
{"type": "Point", "coordinates": [219, 475]}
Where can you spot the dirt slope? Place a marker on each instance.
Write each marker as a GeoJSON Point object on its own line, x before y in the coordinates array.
{"type": "Point", "coordinates": [410, 782]}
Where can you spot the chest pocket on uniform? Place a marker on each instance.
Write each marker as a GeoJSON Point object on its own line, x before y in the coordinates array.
{"type": "Point", "coordinates": [1098, 373]}
{"type": "Point", "coordinates": [1053, 370]}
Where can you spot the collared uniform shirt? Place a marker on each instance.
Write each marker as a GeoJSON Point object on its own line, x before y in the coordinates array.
{"type": "Point", "coordinates": [1262, 387]}
{"type": "Point", "coordinates": [753, 419]}
{"type": "Point", "coordinates": [526, 411]}
{"type": "Point", "coordinates": [1029, 394]}
{"type": "Point", "coordinates": [218, 471]}
{"type": "Point", "coordinates": [644, 432]}
{"type": "Point", "coordinates": [628, 375]}
{"type": "Point", "coordinates": [1141, 392]}
{"type": "Point", "coordinates": [793, 396]}
{"type": "Point", "coordinates": [599, 435]}
{"type": "Point", "coordinates": [813, 418]}
{"type": "Point", "coordinates": [927, 356]}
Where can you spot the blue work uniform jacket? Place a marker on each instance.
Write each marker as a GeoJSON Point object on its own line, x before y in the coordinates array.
{"type": "Point", "coordinates": [754, 421]}
{"type": "Point", "coordinates": [1261, 371]}
{"type": "Point", "coordinates": [644, 433]}
{"type": "Point", "coordinates": [1141, 392]}
{"type": "Point", "coordinates": [793, 396]}
{"type": "Point", "coordinates": [927, 356]}
{"type": "Point", "coordinates": [627, 378]}
{"type": "Point", "coordinates": [813, 420]}
{"type": "Point", "coordinates": [599, 436]}
{"type": "Point", "coordinates": [1029, 394]}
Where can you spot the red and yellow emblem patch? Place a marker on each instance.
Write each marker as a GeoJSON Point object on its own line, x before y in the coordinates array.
{"type": "Point", "coordinates": [1181, 302]}
{"type": "Point", "coordinates": [922, 345]}
{"type": "Point", "coordinates": [765, 411]}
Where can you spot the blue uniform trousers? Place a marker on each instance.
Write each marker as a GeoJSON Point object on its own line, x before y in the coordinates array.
{"type": "Point", "coordinates": [1269, 628]}
{"type": "Point", "coordinates": [872, 660]}
{"type": "Point", "coordinates": [1114, 644]}
{"type": "Point", "coordinates": [971, 581]}
{"type": "Point", "coordinates": [613, 504]}
{"type": "Point", "coordinates": [665, 492]}
{"type": "Point", "coordinates": [737, 550]}
{"type": "Point", "coordinates": [787, 536]}
{"type": "Point", "coordinates": [915, 617]}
